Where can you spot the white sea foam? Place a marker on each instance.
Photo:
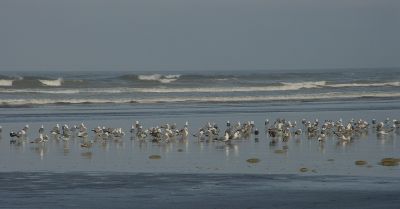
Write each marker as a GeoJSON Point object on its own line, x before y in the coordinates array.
{"type": "Point", "coordinates": [364, 84]}
{"type": "Point", "coordinates": [57, 82]}
{"type": "Point", "coordinates": [306, 85]}
{"type": "Point", "coordinates": [173, 76]}
{"type": "Point", "coordinates": [160, 78]}
{"type": "Point", "coordinates": [298, 97]}
{"type": "Point", "coordinates": [5, 82]}
{"type": "Point", "coordinates": [283, 87]}
{"type": "Point", "coordinates": [42, 91]}
{"type": "Point", "coordinates": [153, 90]}
{"type": "Point", "coordinates": [60, 101]}
{"type": "Point", "coordinates": [70, 91]}
{"type": "Point", "coordinates": [167, 80]}
{"type": "Point", "coordinates": [212, 89]}
{"type": "Point", "coordinates": [153, 77]}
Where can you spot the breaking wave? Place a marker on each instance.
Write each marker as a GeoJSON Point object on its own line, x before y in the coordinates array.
{"type": "Point", "coordinates": [57, 82]}
{"type": "Point", "coordinates": [226, 89]}
{"type": "Point", "coordinates": [307, 85]}
{"type": "Point", "coordinates": [4, 82]}
{"type": "Point", "coordinates": [217, 99]}
{"type": "Point", "coordinates": [282, 87]}
{"type": "Point", "coordinates": [160, 78]}
{"type": "Point", "coordinates": [364, 84]}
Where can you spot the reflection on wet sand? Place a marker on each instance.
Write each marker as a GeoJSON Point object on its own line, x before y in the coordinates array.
{"type": "Point", "coordinates": [87, 154]}
{"type": "Point", "coordinates": [282, 147]}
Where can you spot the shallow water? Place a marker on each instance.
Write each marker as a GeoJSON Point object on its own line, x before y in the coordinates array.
{"type": "Point", "coordinates": [128, 154]}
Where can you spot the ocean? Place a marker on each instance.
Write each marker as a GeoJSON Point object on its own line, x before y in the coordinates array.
{"type": "Point", "coordinates": [63, 88]}
{"type": "Point", "coordinates": [301, 172]}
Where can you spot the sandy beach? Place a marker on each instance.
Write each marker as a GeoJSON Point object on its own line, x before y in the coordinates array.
{"type": "Point", "coordinates": [157, 190]}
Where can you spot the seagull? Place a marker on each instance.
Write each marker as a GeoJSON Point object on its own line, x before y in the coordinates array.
{"type": "Point", "coordinates": [382, 130]}
{"type": "Point", "coordinates": [132, 129]}
{"type": "Point", "coordinates": [184, 132]}
{"type": "Point", "coordinates": [40, 139]}
{"type": "Point", "coordinates": [41, 129]}
{"type": "Point", "coordinates": [236, 135]}
{"type": "Point", "coordinates": [26, 128]}
{"type": "Point", "coordinates": [98, 131]}
{"type": "Point", "coordinates": [298, 132]}
{"type": "Point", "coordinates": [395, 122]}
{"type": "Point", "coordinates": [272, 132]}
{"type": "Point", "coordinates": [256, 132]}
{"type": "Point", "coordinates": [266, 122]}
{"type": "Point", "coordinates": [227, 138]}
{"type": "Point", "coordinates": [66, 133]}
{"type": "Point", "coordinates": [20, 134]}
{"type": "Point", "coordinates": [55, 130]}
{"type": "Point", "coordinates": [322, 136]}
{"type": "Point", "coordinates": [200, 135]}
{"type": "Point", "coordinates": [82, 131]}
{"type": "Point", "coordinates": [118, 132]}
{"type": "Point", "coordinates": [342, 137]}
{"type": "Point", "coordinates": [137, 124]}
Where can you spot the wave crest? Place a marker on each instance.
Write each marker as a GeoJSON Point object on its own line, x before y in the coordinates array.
{"type": "Point", "coordinates": [341, 85]}
{"type": "Point", "coordinates": [160, 78]}
{"type": "Point", "coordinates": [57, 82]}
{"type": "Point", "coordinates": [5, 82]}
{"type": "Point", "coordinates": [306, 85]}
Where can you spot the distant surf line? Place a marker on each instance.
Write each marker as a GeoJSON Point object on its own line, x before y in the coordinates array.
{"type": "Point", "coordinates": [194, 99]}
{"type": "Point", "coordinates": [284, 86]}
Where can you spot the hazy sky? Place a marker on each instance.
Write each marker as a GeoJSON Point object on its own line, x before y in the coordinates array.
{"type": "Point", "coordinates": [198, 34]}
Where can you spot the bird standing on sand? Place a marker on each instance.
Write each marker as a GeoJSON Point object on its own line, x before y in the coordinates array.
{"type": "Point", "coordinates": [82, 131]}
{"type": "Point", "coordinates": [226, 138]}
{"type": "Point", "coordinates": [56, 130]}
{"type": "Point", "coordinates": [41, 129]}
{"type": "Point", "coordinates": [20, 134]}
{"type": "Point", "coordinates": [40, 139]}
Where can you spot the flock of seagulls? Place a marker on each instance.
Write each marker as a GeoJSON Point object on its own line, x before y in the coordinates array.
{"type": "Point", "coordinates": [162, 133]}
{"type": "Point", "coordinates": [280, 129]}
{"type": "Point", "coordinates": [211, 132]}
{"type": "Point", "coordinates": [66, 133]}
{"type": "Point", "coordinates": [344, 131]}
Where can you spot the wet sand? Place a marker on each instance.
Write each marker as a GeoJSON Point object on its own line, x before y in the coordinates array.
{"type": "Point", "coordinates": [127, 190]}
{"type": "Point", "coordinates": [128, 154]}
